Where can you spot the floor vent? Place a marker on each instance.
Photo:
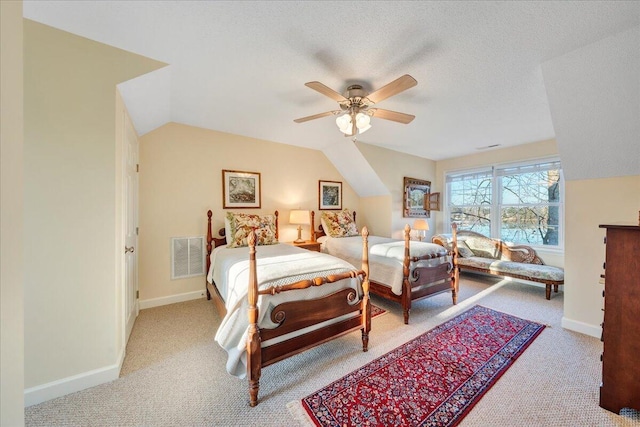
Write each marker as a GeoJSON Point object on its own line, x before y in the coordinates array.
{"type": "Point", "coordinates": [187, 257]}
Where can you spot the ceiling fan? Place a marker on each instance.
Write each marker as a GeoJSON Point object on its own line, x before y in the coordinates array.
{"type": "Point", "coordinates": [356, 106]}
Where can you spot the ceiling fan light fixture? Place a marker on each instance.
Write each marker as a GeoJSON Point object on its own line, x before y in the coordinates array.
{"type": "Point", "coordinates": [355, 105]}
{"type": "Point", "coordinates": [344, 123]}
{"type": "Point", "coordinates": [363, 122]}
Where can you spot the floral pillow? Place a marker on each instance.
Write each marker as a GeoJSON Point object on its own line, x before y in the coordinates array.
{"type": "Point", "coordinates": [339, 224]}
{"type": "Point", "coordinates": [464, 251]}
{"type": "Point", "coordinates": [240, 225]}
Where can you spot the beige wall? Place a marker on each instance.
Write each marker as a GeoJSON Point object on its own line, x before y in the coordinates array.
{"type": "Point", "coordinates": [375, 212]}
{"type": "Point", "coordinates": [71, 285]}
{"type": "Point", "coordinates": [392, 167]}
{"type": "Point", "coordinates": [11, 222]}
{"type": "Point", "coordinates": [590, 203]}
{"type": "Point", "coordinates": [181, 178]}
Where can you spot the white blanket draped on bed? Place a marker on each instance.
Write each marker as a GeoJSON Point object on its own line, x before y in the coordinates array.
{"type": "Point", "coordinates": [276, 265]}
{"type": "Point", "coordinates": [385, 256]}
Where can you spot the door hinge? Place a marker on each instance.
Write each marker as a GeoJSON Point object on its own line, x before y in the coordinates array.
{"type": "Point", "coordinates": [137, 167]}
{"type": "Point", "coordinates": [137, 294]}
{"type": "Point", "coordinates": [137, 230]}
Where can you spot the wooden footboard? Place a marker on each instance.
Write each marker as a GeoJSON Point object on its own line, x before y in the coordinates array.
{"type": "Point", "coordinates": [295, 315]}
{"type": "Point", "coordinates": [422, 282]}
{"type": "Point", "coordinates": [418, 282]}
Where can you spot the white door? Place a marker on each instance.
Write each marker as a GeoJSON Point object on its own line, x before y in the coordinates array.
{"type": "Point", "coordinates": [130, 225]}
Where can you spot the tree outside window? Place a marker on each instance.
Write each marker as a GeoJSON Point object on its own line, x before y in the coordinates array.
{"type": "Point", "coordinates": [520, 204]}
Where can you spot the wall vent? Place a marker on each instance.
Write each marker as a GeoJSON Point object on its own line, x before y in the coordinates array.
{"type": "Point", "coordinates": [187, 257]}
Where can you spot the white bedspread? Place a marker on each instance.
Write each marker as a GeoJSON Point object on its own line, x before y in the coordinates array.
{"type": "Point", "coordinates": [276, 265]}
{"type": "Point", "coordinates": [385, 256]}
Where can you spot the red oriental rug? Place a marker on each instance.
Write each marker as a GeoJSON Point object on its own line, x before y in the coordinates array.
{"type": "Point", "coordinates": [433, 380]}
{"type": "Point", "coordinates": [377, 311]}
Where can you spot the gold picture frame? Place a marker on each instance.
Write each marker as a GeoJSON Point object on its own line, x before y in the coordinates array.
{"type": "Point", "coordinates": [241, 189]}
{"type": "Point", "coordinates": [416, 198]}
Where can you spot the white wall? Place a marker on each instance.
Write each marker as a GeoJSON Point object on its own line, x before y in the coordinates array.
{"type": "Point", "coordinates": [72, 338]}
{"type": "Point", "coordinates": [594, 98]}
{"type": "Point", "coordinates": [181, 178]}
{"type": "Point", "coordinates": [11, 222]}
{"type": "Point", "coordinates": [392, 166]}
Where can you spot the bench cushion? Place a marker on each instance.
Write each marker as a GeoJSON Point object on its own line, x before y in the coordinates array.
{"type": "Point", "coordinates": [536, 272]}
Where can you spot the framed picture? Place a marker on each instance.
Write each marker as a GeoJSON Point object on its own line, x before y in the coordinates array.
{"type": "Point", "coordinates": [330, 195]}
{"type": "Point", "coordinates": [416, 193]}
{"type": "Point", "coordinates": [240, 189]}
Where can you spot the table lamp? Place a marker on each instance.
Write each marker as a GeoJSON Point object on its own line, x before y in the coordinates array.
{"type": "Point", "coordinates": [422, 226]}
{"type": "Point", "coordinates": [299, 217]}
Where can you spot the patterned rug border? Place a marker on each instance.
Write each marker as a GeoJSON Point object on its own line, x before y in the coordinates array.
{"type": "Point", "coordinates": [497, 365]}
{"type": "Point", "coordinates": [377, 311]}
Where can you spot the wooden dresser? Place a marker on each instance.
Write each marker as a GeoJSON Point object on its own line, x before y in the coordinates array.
{"type": "Point", "coordinates": [620, 386]}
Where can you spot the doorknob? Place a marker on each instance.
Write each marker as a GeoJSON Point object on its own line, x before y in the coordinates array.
{"type": "Point", "coordinates": [126, 249]}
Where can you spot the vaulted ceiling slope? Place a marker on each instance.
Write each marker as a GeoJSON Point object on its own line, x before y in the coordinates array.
{"type": "Point", "coordinates": [240, 67]}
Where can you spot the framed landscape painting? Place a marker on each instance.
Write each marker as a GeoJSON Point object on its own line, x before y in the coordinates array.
{"type": "Point", "coordinates": [330, 195]}
{"type": "Point", "coordinates": [240, 189]}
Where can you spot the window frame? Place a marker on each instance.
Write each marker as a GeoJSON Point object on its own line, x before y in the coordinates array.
{"type": "Point", "coordinates": [496, 198]}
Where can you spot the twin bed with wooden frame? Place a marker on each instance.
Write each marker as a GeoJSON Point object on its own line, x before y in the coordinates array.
{"type": "Point", "coordinates": [286, 312]}
{"type": "Point", "coordinates": [401, 271]}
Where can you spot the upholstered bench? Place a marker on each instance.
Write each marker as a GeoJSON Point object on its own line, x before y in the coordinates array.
{"type": "Point", "coordinates": [477, 252]}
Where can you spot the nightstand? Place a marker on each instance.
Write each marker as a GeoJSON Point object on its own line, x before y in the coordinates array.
{"type": "Point", "coordinates": [308, 244]}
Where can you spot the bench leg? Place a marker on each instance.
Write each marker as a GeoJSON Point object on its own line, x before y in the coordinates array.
{"type": "Point", "coordinates": [555, 288]}
{"type": "Point", "coordinates": [548, 291]}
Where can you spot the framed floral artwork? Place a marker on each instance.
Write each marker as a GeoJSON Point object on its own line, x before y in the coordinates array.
{"type": "Point", "coordinates": [329, 195]}
{"type": "Point", "coordinates": [240, 189]}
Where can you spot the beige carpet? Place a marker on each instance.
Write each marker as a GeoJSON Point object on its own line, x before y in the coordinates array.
{"type": "Point", "coordinates": [174, 373]}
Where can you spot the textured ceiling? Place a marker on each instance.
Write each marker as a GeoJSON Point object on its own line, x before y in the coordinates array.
{"type": "Point", "coordinates": [240, 66]}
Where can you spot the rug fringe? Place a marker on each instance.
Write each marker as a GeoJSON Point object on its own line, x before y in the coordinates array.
{"type": "Point", "coordinates": [297, 411]}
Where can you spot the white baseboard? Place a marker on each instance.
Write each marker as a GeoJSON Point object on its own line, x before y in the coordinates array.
{"type": "Point", "coordinates": [171, 299]}
{"type": "Point", "coordinates": [581, 327]}
{"type": "Point", "coordinates": [64, 386]}
{"type": "Point", "coordinates": [58, 388]}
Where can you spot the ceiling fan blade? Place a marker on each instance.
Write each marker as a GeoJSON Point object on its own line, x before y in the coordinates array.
{"type": "Point", "coordinates": [395, 87]}
{"type": "Point", "coordinates": [327, 91]}
{"type": "Point", "coordinates": [316, 116]}
{"type": "Point", "coordinates": [392, 115]}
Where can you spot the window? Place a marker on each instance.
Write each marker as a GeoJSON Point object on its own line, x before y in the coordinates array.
{"type": "Point", "coordinates": [516, 203]}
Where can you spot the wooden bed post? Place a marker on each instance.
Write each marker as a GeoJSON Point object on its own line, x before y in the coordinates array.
{"type": "Point", "coordinates": [209, 249]}
{"type": "Point", "coordinates": [276, 214]}
{"type": "Point", "coordinates": [454, 261]}
{"type": "Point", "coordinates": [313, 226]}
{"type": "Point", "coordinates": [366, 303]}
{"type": "Point", "coordinates": [254, 350]}
{"type": "Point", "coordinates": [406, 285]}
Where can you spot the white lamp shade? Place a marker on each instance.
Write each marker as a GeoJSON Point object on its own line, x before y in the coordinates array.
{"type": "Point", "coordinates": [420, 224]}
{"type": "Point", "coordinates": [344, 124]}
{"type": "Point", "coordinates": [363, 122]}
{"type": "Point", "coordinates": [298, 216]}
